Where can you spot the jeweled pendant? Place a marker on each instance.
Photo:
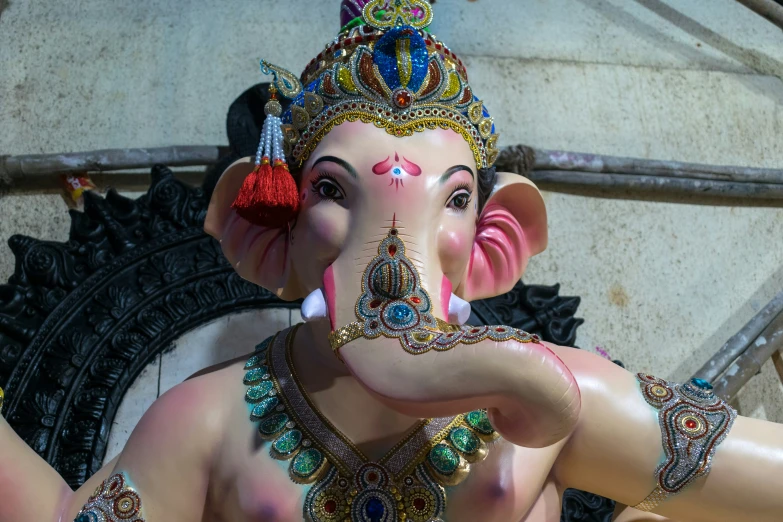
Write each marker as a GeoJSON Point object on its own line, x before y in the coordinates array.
{"type": "Point", "coordinates": [306, 466]}
{"type": "Point", "coordinates": [286, 444]}
{"type": "Point", "coordinates": [259, 391]}
{"type": "Point", "coordinates": [273, 425]}
{"type": "Point", "coordinates": [264, 408]}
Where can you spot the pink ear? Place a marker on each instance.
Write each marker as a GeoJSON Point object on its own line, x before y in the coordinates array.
{"type": "Point", "coordinates": [511, 229]}
{"type": "Point", "coordinates": [258, 254]}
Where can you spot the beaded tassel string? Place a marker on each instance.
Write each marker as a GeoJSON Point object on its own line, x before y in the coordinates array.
{"type": "Point", "coordinates": [269, 196]}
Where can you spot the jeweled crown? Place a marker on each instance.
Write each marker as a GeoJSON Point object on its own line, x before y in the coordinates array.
{"type": "Point", "coordinates": [386, 68]}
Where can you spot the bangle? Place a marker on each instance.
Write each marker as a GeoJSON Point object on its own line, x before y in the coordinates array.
{"type": "Point", "coordinates": [693, 422]}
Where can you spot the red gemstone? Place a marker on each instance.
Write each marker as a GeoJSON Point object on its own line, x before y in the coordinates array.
{"type": "Point", "coordinates": [403, 98]}
{"type": "Point", "coordinates": [415, 300]}
{"type": "Point", "coordinates": [419, 503]}
{"type": "Point", "coordinates": [500, 329]}
{"type": "Point", "coordinates": [330, 506]}
{"type": "Point", "coordinates": [392, 250]}
{"type": "Point", "coordinates": [375, 303]}
{"type": "Point", "coordinates": [438, 46]}
{"type": "Point", "coordinates": [374, 324]}
{"type": "Point", "coordinates": [358, 38]}
{"type": "Point", "coordinates": [372, 476]}
{"type": "Point", "coordinates": [348, 41]}
{"type": "Point", "coordinates": [393, 231]}
{"type": "Point", "coordinates": [475, 330]}
{"type": "Point", "coordinates": [690, 424]}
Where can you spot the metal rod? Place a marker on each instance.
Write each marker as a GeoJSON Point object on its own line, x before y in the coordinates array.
{"type": "Point", "coordinates": [740, 341]}
{"type": "Point", "coordinates": [770, 10]}
{"type": "Point", "coordinates": [17, 167]}
{"type": "Point", "coordinates": [750, 362]}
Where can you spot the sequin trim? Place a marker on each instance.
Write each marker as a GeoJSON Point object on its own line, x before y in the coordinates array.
{"type": "Point", "coordinates": [112, 501]}
{"type": "Point", "coordinates": [693, 422]}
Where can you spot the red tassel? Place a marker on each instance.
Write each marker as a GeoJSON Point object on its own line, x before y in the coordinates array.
{"type": "Point", "coordinates": [269, 196]}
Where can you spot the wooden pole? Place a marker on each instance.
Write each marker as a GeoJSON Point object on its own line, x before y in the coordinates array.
{"type": "Point", "coordinates": [770, 10]}
{"type": "Point", "coordinates": [749, 363]}
{"type": "Point", "coordinates": [17, 167]}
{"type": "Point", "coordinates": [550, 167]}
{"type": "Point", "coordinates": [740, 341]}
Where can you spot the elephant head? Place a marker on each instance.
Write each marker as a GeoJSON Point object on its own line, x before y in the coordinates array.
{"type": "Point", "coordinates": [467, 233]}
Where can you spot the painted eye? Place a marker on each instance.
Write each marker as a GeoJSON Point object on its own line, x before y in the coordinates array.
{"type": "Point", "coordinates": [460, 200]}
{"type": "Point", "coordinates": [328, 189]}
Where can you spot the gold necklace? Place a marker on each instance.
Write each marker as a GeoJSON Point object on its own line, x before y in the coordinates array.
{"type": "Point", "coordinates": [406, 484]}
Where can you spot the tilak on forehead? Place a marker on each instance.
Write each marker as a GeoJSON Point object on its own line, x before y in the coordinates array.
{"type": "Point", "coordinates": [385, 68]}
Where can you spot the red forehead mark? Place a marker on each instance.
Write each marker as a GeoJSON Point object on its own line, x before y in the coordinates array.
{"type": "Point", "coordinates": [410, 167]}
{"type": "Point", "coordinates": [397, 169]}
{"type": "Point", "coordinates": [382, 167]}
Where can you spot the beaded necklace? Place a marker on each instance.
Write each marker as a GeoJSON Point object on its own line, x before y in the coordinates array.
{"type": "Point", "coordinates": [407, 484]}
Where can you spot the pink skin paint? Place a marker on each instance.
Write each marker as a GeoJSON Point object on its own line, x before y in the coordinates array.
{"type": "Point", "coordinates": [445, 296]}
{"type": "Point", "coordinates": [329, 291]}
{"type": "Point", "coordinates": [397, 169]}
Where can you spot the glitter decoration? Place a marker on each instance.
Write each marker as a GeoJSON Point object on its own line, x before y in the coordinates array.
{"type": "Point", "coordinates": [255, 375]}
{"type": "Point", "coordinates": [257, 392]}
{"type": "Point", "coordinates": [693, 422]}
{"type": "Point", "coordinates": [273, 425]}
{"type": "Point", "coordinates": [443, 459]}
{"type": "Point", "coordinates": [464, 440]}
{"type": "Point", "coordinates": [112, 501]}
{"type": "Point", "coordinates": [287, 443]}
{"type": "Point", "coordinates": [264, 408]}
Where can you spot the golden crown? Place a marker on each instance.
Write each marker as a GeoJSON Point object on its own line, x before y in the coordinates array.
{"type": "Point", "coordinates": [384, 68]}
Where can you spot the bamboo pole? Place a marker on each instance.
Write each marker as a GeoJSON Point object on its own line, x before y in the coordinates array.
{"type": "Point", "coordinates": [770, 10]}
{"type": "Point", "coordinates": [750, 362]}
{"type": "Point", "coordinates": [739, 342]}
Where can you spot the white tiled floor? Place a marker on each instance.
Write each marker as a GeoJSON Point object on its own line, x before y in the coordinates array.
{"type": "Point", "coordinates": [212, 343]}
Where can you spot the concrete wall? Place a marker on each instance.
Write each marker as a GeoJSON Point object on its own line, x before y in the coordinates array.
{"type": "Point", "coordinates": [663, 283]}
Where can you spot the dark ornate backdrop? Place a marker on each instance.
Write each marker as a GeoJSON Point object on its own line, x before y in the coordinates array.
{"type": "Point", "coordinates": [80, 320]}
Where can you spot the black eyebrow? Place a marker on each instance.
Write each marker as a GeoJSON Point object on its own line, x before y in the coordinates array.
{"type": "Point", "coordinates": [344, 164]}
{"type": "Point", "coordinates": [453, 170]}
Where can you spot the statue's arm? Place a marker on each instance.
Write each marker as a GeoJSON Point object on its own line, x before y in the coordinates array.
{"type": "Point", "coordinates": [618, 444]}
{"type": "Point", "coordinates": [165, 463]}
{"type": "Point", "coordinates": [167, 460]}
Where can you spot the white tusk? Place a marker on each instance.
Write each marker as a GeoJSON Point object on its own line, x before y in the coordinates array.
{"type": "Point", "coordinates": [459, 310]}
{"type": "Point", "coordinates": [314, 306]}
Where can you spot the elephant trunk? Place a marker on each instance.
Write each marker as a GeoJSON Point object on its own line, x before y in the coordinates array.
{"type": "Point", "coordinates": [392, 335]}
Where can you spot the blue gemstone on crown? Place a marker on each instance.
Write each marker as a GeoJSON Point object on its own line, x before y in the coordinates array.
{"type": "Point", "coordinates": [374, 509]}
{"type": "Point", "coordinates": [701, 384]}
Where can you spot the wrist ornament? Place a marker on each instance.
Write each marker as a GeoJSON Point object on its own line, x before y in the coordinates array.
{"type": "Point", "coordinates": [693, 422]}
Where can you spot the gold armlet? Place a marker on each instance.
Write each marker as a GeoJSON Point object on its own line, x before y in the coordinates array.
{"type": "Point", "coordinates": [693, 422]}
{"type": "Point", "coordinates": [112, 501]}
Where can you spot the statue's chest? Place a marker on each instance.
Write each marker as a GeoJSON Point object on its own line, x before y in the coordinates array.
{"type": "Point", "coordinates": [413, 481]}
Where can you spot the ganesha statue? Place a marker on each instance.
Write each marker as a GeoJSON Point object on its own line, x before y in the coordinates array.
{"type": "Point", "coordinates": [373, 197]}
